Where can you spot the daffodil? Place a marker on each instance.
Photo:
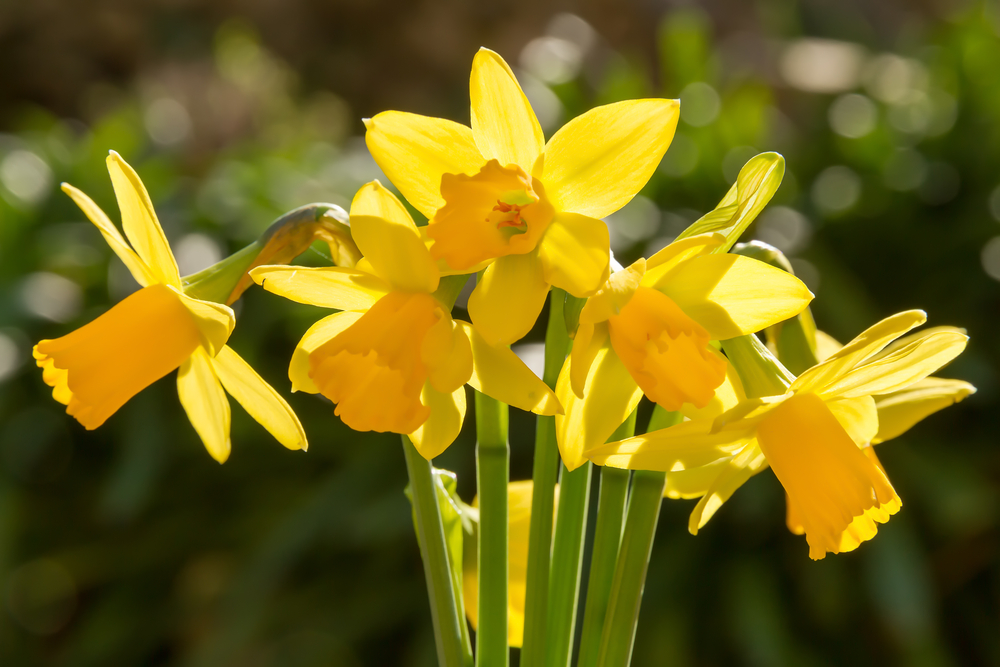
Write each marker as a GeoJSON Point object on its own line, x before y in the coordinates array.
{"type": "Point", "coordinates": [497, 194]}
{"type": "Point", "coordinates": [648, 331]}
{"type": "Point", "coordinates": [96, 369]}
{"type": "Point", "coordinates": [519, 496]}
{"type": "Point", "coordinates": [394, 359]}
{"type": "Point", "coordinates": [814, 437]}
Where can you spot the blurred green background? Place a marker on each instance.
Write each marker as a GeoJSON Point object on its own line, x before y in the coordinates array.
{"type": "Point", "coordinates": [130, 546]}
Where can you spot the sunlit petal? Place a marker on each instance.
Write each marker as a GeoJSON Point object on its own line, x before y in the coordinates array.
{"type": "Point", "coordinates": [142, 228]}
{"type": "Point", "coordinates": [900, 410]}
{"type": "Point", "coordinates": [205, 403]}
{"type": "Point", "coordinates": [598, 161]}
{"type": "Point", "coordinates": [575, 253]}
{"type": "Point", "coordinates": [415, 151]}
{"type": "Point", "coordinates": [259, 399]}
{"type": "Point", "coordinates": [317, 335]}
{"type": "Point", "coordinates": [443, 424]}
{"type": "Point", "coordinates": [325, 286]}
{"type": "Point", "coordinates": [503, 123]}
{"type": "Point", "coordinates": [215, 321]}
{"type": "Point", "coordinates": [505, 304]}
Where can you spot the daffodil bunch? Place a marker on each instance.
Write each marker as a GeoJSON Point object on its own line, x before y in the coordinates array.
{"type": "Point", "coordinates": [522, 217]}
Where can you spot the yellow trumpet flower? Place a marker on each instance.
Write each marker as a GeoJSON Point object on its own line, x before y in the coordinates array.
{"type": "Point", "coordinates": [394, 359]}
{"type": "Point", "coordinates": [96, 369]}
{"type": "Point", "coordinates": [498, 194]}
{"type": "Point", "coordinates": [647, 330]}
{"type": "Point", "coordinates": [814, 437]}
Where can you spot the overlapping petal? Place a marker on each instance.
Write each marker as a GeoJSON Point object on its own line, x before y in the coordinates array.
{"type": "Point", "coordinates": [503, 123]}
{"type": "Point", "coordinates": [609, 396]}
{"type": "Point", "coordinates": [732, 295]}
{"type": "Point", "coordinates": [325, 286]}
{"type": "Point", "coordinates": [415, 151]}
{"type": "Point", "coordinates": [506, 302]}
{"type": "Point", "coordinates": [497, 372]}
{"type": "Point", "coordinates": [136, 266]}
{"type": "Point", "coordinates": [259, 399]}
{"type": "Point", "coordinates": [900, 410]}
{"type": "Point", "coordinates": [575, 253]}
{"type": "Point", "coordinates": [205, 403]}
{"type": "Point", "coordinates": [317, 335]}
{"type": "Point", "coordinates": [389, 239]}
{"type": "Point", "coordinates": [215, 321]}
{"type": "Point", "coordinates": [598, 161]}
{"type": "Point", "coordinates": [443, 424]}
{"type": "Point", "coordinates": [142, 228]}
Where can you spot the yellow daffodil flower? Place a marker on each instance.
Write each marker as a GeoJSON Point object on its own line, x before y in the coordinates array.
{"type": "Point", "coordinates": [498, 194]}
{"type": "Point", "coordinates": [647, 330]}
{"type": "Point", "coordinates": [519, 496]}
{"type": "Point", "coordinates": [94, 370]}
{"type": "Point", "coordinates": [814, 437]}
{"type": "Point", "coordinates": [394, 359]}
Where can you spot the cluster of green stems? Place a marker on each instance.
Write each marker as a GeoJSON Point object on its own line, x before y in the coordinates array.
{"type": "Point", "coordinates": [627, 514]}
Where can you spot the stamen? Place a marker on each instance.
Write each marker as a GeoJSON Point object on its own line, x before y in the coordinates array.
{"type": "Point", "coordinates": [515, 220]}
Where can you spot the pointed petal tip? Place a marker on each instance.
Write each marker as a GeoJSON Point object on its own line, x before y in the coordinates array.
{"type": "Point", "coordinates": [369, 123]}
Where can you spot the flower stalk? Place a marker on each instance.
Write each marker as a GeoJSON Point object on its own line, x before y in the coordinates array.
{"type": "Point", "coordinates": [493, 471]}
{"type": "Point", "coordinates": [451, 650]}
{"type": "Point", "coordinates": [546, 467]}
{"type": "Point", "coordinates": [607, 538]}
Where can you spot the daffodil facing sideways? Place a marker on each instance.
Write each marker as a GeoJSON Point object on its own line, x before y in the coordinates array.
{"type": "Point", "coordinates": [96, 369]}
{"type": "Point", "coordinates": [519, 496]}
{"type": "Point", "coordinates": [815, 437]}
{"type": "Point", "coordinates": [393, 359]}
{"type": "Point", "coordinates": [648, 330]}
{"type": "Point", "coordinates": [498, 196]}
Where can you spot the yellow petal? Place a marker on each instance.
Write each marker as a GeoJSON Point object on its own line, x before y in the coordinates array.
{"type": "Point", "coordinates": [317, 335]}
{"type": "Point", "coordinates": [205, 403]}
{"type": "Point", "coordinates": [447, 353]}
{"type": "Point", "coordinates": [142, 274]}
{"type": "Point", "coordinates": [614, 295]}
{"type": "Point", "coordinates": [900, 410]}
{"type": "Point", "coordinates": [728, 395]}
{"type": "Point", "coordinates": [732, 295]}
{"type": "Point", "coordinates": [497, 372]}
{"type": "Point", "coordinates": [508, 299]}
{"type": "Point", "coordinates": [140, 223]}
{"type": "Point", "coordinates": [609, 396]}
{"type": "Point", "coordinates": [858, 416]}
{"type": "Point", "coordinates": [444, 422]}
{"type": "Point", "coordinates": [756, 184]}
{"type": "Point", "coordinates": [694, 482]}
{"type": "Point", "coordinates": [686, 445]}
{"type": "Point", "coordinates": [589, 340]}
{"type": "Point", "coordinates": [259, 399]}
{"type": "Point", "coordinates": [732, 476]}
{"type": "Point", "coordinates": [900, 369]}
{"type": "Point", "coordinates": [388, 238]}
{"type": "Point", "coordinates": [677, 252]}
{"type": "Point", "coordinates": [598, 161]}
{"type": "Point", "coordinates": [326, 286]}
{"type": "Point", "coordinates": [826, 345]}
{"type": "Point", "coordinates": [215, 321]}
{"type": "Point", "coordinates": [415, 151]}
{"type": "Point", "coordinates": [868, 343]}
{"type": "Point", "coordinates": [575, 252]}
{"type": "Point", "coordinates": [503, 123]}
{"type": "Point", "coordinates": [97, 368]}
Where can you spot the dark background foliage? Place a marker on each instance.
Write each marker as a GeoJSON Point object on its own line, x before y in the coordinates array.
{"type": "Point", "coordinates": [130, 546]}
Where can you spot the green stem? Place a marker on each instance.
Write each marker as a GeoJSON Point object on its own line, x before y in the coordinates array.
{"type": "Point", "coordinates": [493, 469]}
{"type": "Point", "coordinates": [437, 570]}
{"type": "Point", "coordinates": [607, 537]}
{"type": "Point", "coordinates": [644, 504]}
{"type": "Point", "coordinates": [567, 561]}
{"type": "Point", "coordinates": [546, 468]}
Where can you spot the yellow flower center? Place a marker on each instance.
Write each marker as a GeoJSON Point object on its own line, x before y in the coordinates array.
{"type": "Point", "coordinates": [498, 211]}
{"type": "Point", "coordinates": [94, 370]}
{"type": "Point", "coordinates": [836, 493]}
{"type": "Point", "coordinates": [375, 370]}
{"type": "Point", "coordinates": [666, 352]}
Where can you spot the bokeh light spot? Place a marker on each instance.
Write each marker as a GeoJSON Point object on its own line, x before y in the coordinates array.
{"type": "Point", "coordinates": [853, 116]}
{"type": "Point", "coordinates": [836, 189]}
